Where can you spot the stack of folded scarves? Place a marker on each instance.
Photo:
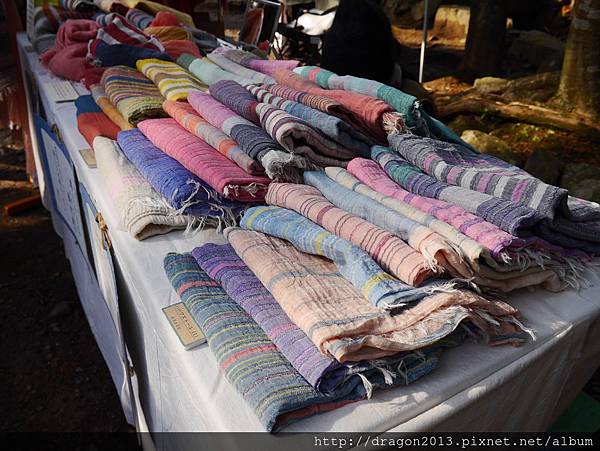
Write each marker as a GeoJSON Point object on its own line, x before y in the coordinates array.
{"type": "Point", "coordinates": [101, 99]}
{"type": "Point", "coordinates": [134, 95]}
{"type": "Point", "coordinates": [182, 190]}
{"type": "Point", "coordinates": [253, 140]}
{"type": "Point", "coordinates": [296, 381]}
{"type": "Point", "coordinates": [292, 133]}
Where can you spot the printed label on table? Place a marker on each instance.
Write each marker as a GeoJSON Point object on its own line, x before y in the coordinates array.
{"type": "Point", "coordinates": [89, 157]}
{"type": "Point", "coordinates": [61, 91]}
{"type": "Point", "coordinates": [184, 325]}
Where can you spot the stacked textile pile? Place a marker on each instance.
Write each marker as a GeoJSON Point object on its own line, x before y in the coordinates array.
{"type": "Point", "coordinates": [359, 246]}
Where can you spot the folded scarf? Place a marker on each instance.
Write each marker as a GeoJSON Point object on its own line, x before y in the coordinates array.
{"type": "Point", "coordinates": [134, 95]}
{"type": "Point", "coordinates": [67, 59]}
{"type": "Point", "coordinates": [371, 115]}
{"type": "Point", "coordinates": [294, 135]}
{"type": "Point", "coordinates": [92, 122]}
{"type": "Point", "coordinates": [78, 5]}
{"type": "Point", "coordinates": [183, 191]}
{"type": "Point", "coordinates": [488, 273]}
{"type": "Point", "coordinates": [222, 174]}
{"type": "Point", "coordinates": [504, 194]}
{"type": "Point", "coordinates": [252, 61]}
{"type": "Point", "coordinates": [178, 47]}
{"type": "Point", "coordinates": [205, 41]}
{"type": "Point", "coordinates": [188, 118]}
{"type": "Point", "coordinates": [415, 118]}
{"type": "Point", "coordinates": [108, 108]}
{"type": "Point", "coordinates": [390, 252]}
{"type": "Point", "coordinates": [173, 82]}
{"type": "Point", "coordinates": [340, 321]}
{"type": "Point", "coordinates": [105, 19]}
{"type": "Point", "coordinates": [223, 265]}
{"type": "Point", "coordinates": [253, 140]}
{"type": "Point", "coordinates": [270, 385]}
{"type": "Point", "coordinates": [138, 18]}
{"type": "Point", "coordinates": [141, 210]}
{"type": "Point", "coordinates": [234, 68]}
{"type": "Point", "coordinates": [165, 19]}
{"type": "Point", "coordinates": [436, 250]}
{"type": "Point", "coordinates": [331, 126]}
{"type": "Point", "coordinates": [168, 33]}
{"type": "Point", "coordinates": [354, 264]}
{"type": "Point", "coordinates": [235, 97]}
{"type": "Point", "coordinates": [299, 138]}
{"type": "Point", "coordinates": [124, 55]}
{"type": "Point", "coordinates": [208, 72]}
{"type": "Point", "coordinates": [120, 31]}
{"type": "Point", "coordinates": [155, 7]}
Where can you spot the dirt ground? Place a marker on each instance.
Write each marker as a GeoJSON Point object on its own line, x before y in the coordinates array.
{"type": "Point", "coordinates": [52, 374]}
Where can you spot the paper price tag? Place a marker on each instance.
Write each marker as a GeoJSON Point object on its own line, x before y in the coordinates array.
{"type": "Point", "coordinates": [184, 325]}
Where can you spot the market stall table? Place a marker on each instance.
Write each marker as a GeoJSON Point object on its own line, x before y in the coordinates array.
{"type": "Point", "coordinates": [476, 387]}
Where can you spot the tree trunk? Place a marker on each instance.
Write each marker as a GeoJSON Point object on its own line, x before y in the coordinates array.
{"type": "Point", "coordinates": [580, 78]}
{"type": "Point", "coordinates": [484, 48]}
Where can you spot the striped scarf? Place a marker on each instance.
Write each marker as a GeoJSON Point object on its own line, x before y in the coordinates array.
{"type": "Point", "coordinates": [331, 126]}
{"type": "Point", "coordinates": [120, 31]}
{"type": "Point", "coordinates": [182, 190]}
{"type": "Point", "coordinates": [139, 18]}
{"type": "Point", "coordinates": [253, 62]}
{"type": "Point", "coordinates": [270, 385]}
{"type": "Point", "coordinates": [416, 119]}
{"type": "Point", "coordinates": [188, 118]}
{"type": "Point", "coordinates": [390, 252]}
{"type": "Point", "coordinates": [134, 95]}
{"type": "Point", "coordinates": [142, 211]}
{"type": "Point", "coordinates": [235, 97]}
{"type": "Point", "coordinates": [298, 138]}
{"type": "Point", "coordinates": [499, 189]}
{"type": "Point", "coordinates": [92, 122]}
{"type": "Point", "coordinates": [253, 140]}
{"type": "Point", "coordinates": [208, 72]}
{"type": "Point", "coordinates": [108, 108]}
{"type": "Point", "coordinates": [124, 55]}
{"type": "Point", "coordinates": [354, 264]}
{"type": "Point", "coordinates": [235, 68]}
{"type": "Point", "coordinates": [426, 242]}
{"type": "Point", "coordinates": [369, 113]}
{"type": "Point", "coordinates": [173, 82]}
{"type": "Point", "coordinates": [222, 174]}
{"type": "Point", "coordinates": [340, 321]}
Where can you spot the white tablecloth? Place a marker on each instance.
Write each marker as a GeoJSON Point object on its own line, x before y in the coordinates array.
{"type": "Point", "coordinates": [476, 387]}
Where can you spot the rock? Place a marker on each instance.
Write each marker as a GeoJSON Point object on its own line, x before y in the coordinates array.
{"type": "Point", "coordinates": [538, 48]}
{"type": "Point", "coordinates": [464, 122]}
{"type": "Point", "coordinates": [488, 144]}
{"type": "Point", "coordinates": [574, 173]}
{"type": "Point", "coordinates": [588, 189]}
{"type": "Point", "coordinates": [61, 309]}
{"type": "Point", "coordinates": [490, 85]}
{"type": "Point", "coordinates": [544, 165]}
